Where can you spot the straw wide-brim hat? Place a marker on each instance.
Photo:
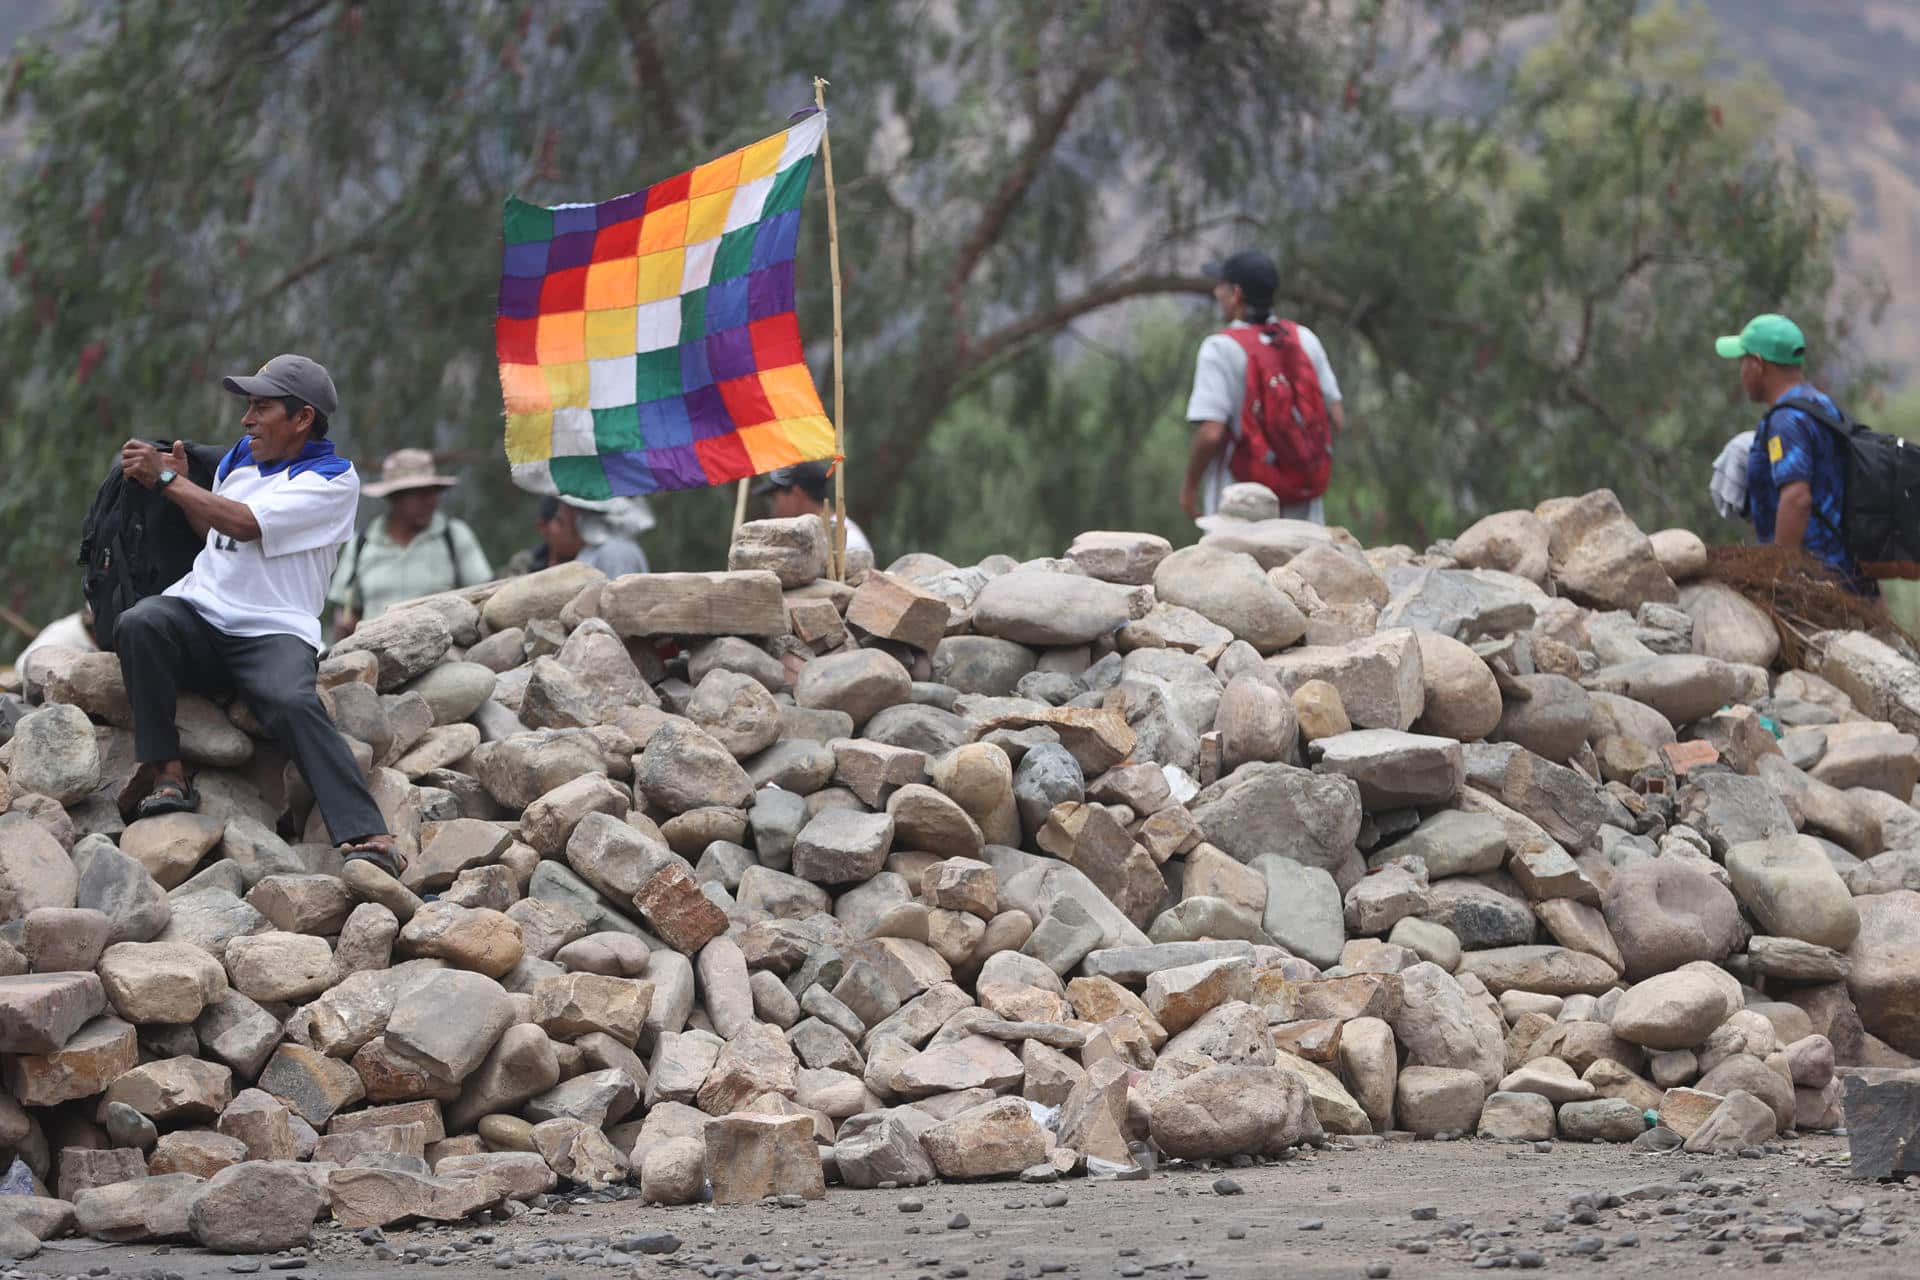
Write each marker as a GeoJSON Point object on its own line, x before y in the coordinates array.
{"type": "Point", "coordinates": [407, 469]}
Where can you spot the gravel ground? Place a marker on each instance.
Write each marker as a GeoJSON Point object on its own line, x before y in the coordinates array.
{"type": "Point", "coordinates": [1400, 1208]}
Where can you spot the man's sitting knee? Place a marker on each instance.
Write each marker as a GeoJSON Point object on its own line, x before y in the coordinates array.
{"type": "Point", "coordinates": [277, 708]}
{"type": "Point", "coordinates": [139, 623]}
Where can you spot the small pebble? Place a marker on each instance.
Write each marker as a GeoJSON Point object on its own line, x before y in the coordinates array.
{"type": "Point", "coordinates": [1529, 1259]}
{"type": "Point", "coordinates": [1226, 1187]}
{"type": "Point", "coordinates": [959, 1222]}
{"type": "Point", "coordinates": [1543, 1147]}
{"type": "Point", "coordinates": [1379, 1270]}
{"type": "Point", "coordinates": [1236, 1233]}
{"type": "Point", "coordinates": [1425, 1212]}
{"type": "Point", "coordinates": [911, 1205]}
{"type": "Point", "coordinates": [1312, 1224]}
{"type": "Point", "coordinates": [1054, 1200]}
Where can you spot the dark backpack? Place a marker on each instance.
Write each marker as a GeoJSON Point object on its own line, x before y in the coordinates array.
{"type": "Point", "coordinates": [1880, 513]}
{"type": "Point", "coordinates": [135, 543]}
{"type": "Point", "coordinates": [1285, 441]}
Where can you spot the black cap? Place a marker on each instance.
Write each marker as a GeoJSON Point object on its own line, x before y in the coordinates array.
{"type": "Point", "coordinates": [1252, 270]}
{"type": "Point", "coordinates": [809, 477]}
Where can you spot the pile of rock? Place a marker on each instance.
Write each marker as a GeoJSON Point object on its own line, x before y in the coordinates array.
{"type": "Point", "coordinates": [740, 883]}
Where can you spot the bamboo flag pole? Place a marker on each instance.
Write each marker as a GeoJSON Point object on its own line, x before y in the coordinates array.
{"type": "Point", "coordinates": [740, 507]}
{"type": "Point", "coordinates": [837, 544]}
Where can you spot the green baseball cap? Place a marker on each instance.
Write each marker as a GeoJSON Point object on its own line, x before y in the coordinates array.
{"type": "Point", "coordinates": [1775, 339]}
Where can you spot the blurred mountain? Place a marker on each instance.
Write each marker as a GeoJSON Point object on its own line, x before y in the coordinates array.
{"type": "Point", "coordinates": [1846, 71]}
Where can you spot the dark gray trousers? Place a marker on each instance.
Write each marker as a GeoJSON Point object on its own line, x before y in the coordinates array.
{"type": "Point", "coordinates": [165, 646]}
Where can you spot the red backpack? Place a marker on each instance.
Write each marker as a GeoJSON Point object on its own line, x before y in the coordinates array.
{"type": "Point", "coordinates": [1285, 440]}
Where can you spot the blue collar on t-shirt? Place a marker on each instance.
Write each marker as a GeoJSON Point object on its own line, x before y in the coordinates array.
{"type": "Point", "coordinates": [315, 455]}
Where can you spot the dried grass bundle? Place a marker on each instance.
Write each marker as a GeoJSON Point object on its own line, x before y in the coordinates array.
{"type": "Point", "coordinates": [1802, 597]}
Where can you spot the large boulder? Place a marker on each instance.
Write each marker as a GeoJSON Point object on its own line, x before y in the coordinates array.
{"type": "Point", "coordinates": [1032, 607]}
{"type": "Point", "coordinates": [1664, 912]}
{"type": "Point", "coordinates": [1792, 889]}
{"type": "Point", "coordinates": [55, 754]}
{"type": "Point", "coordinates": [1675, 1010]}
{"type": "Point", "coordinates": [1461, 699]}
{"type": "Point", "coordinates": [1230, 590]}
{"type": "Point", "coordinates": [1394, 770]}
{"type": "Point", "coordinates": [1276, 808]}
{"type": "Point", "coordinates": [1728, 626]}
{"type": "Point", "coordinates": [1513, 542]}
{"type": "Point", "coordinates": [1880, 681]}
{"type": "Point", "coordinates": [1597, 555]}
{"type": "Point", "coordinates": [1226, 1111]}
{"type": "Point", "coordinates": [1885, 976]}
{"type": "Point", "coordinates": [1379, 679]}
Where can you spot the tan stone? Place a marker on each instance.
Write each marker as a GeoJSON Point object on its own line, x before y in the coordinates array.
{"type": "Point", "coordinates": [749, 1157]}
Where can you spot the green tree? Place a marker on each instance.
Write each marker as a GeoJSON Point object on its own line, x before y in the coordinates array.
{"type": "Point", "coordinates": [1514, 223]}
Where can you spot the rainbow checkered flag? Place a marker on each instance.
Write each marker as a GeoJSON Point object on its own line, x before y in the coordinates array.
{"type": "Point", "coordinates": [649, 342]}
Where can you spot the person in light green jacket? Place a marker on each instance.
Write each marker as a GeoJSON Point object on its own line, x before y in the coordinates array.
{"type": "Point", "coordinates": [414, 550]}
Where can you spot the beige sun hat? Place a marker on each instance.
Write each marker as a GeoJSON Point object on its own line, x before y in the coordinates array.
{"type": "Point", "coordinates": [407, 469]}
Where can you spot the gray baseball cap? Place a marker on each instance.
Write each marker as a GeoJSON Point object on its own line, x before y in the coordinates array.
{"type": "Point", "coordinates": [289, 375]}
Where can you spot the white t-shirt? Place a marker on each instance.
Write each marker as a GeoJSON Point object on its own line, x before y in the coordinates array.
{"type": "Point", "coordinates": [1219, 383]}
{"type": "Point", "coordinates": [276, 584]}
{"type": "Point", "coordinates": [857, 537]}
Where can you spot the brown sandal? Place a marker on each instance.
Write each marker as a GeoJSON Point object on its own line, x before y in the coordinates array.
{"type": "Point", "coordinates": [384, 857]}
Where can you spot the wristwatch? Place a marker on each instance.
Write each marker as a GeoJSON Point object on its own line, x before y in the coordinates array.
{"type": "Point", "coordinates": [166, 478]}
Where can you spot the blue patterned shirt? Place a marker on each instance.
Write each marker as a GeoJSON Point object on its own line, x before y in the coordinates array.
{"type": "Point", "coordinates": [1791, 448]}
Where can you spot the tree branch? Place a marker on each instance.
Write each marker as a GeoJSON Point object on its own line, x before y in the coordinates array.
{"type": "Point", "coordinates": [1058, 317]}
{"type": "Point", "coordinates": [1047, 132]}
{"type": "Point", "coordinates": [649, 70]}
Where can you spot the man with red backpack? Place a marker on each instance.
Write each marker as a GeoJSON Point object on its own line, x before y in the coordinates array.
{"type": "Point", "coordinates": [1265, 404]}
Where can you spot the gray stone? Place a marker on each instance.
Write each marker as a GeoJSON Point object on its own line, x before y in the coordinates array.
{"type": "Point", "coordinates": [1602, 1120]}
{"type": "Point", "coordinates": [840, 846]}
{"type": "Point", "coordinates": [1453, 843]}
{"type": "Point", "coordinates": [1275, 808]}
{"type": "Point", "coordinates": [55, 754]}
{"type": "Point", "coordinates": [120, 888]}
{"type": "Point", "coordinates": [1051, 609]}
{"type": "Point", "coordinates": [1230, 589]}
{"type": "Point", "coordinates": [1304, 912]}
{"type": "Point", "coordinates": [1394, 769]}
{"type": "Point", "coordinates": [261, 1206]}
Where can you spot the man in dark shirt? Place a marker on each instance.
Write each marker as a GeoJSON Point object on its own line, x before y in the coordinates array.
{"type": "Point", "coordinates": [1796, 473]}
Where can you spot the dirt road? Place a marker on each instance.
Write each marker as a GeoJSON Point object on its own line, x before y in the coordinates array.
{"type": "Point", "coordinates": [1421, 1209]}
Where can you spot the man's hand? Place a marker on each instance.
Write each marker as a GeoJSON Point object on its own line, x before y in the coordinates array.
{"type": "Point", "coordinates": [345, 623]}
{"type": "Point", "coordinates": [1190, 500]}
{"type": "Point", "coordinates": [143, 463]}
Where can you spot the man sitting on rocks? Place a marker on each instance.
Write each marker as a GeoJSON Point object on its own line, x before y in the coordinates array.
{"type": "Point", "coordinates": [246, 617]}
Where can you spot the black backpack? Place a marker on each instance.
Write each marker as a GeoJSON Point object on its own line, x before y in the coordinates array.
{"type": "Point", "coordinates": [135, 543]}
{"type": "Point", "coordinates": [1880, 515]}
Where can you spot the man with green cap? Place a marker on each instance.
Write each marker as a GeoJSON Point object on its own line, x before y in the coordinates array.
{"type": "Point", "coordinates": [1796, 472]}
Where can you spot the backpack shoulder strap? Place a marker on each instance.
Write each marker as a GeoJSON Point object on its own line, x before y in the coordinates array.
{"type": "Point", "coordinates": [1814, 411]}
{"type": "Point", "coordinates": [356, 598]}
{"type": "Point", "coordinates": [1246, 336]}
{"type": "Point", "coordinates": [453, 554]}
